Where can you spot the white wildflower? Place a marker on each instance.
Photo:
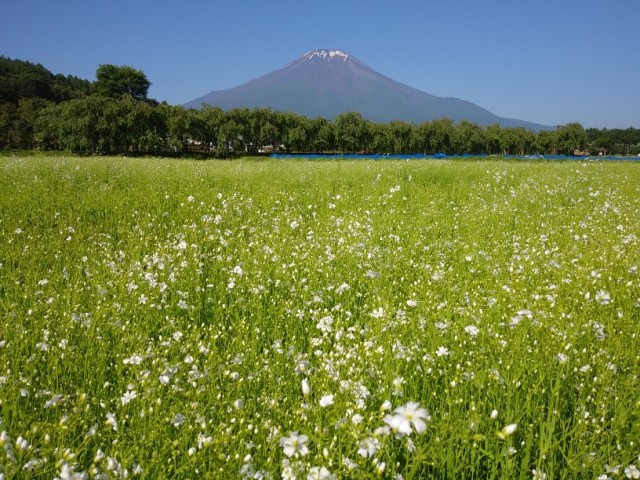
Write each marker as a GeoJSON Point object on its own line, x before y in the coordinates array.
{"type": "Point", "coordinates": [538, 475]}
{"type": "Point", "coordinates": [178, 420]}
{"type": "Point", "coordinates": [442, 352]}
{"type": "Point", "coordinates": [320, 473]}
{"type": "Point", "coordinates": [471, 330]}
{"type": "Point", "coordinates": [133, 360]}
{"type": "Point", "coordinates": [305, 387]}
{"type": "Point", "coordinates": [128, 396]}
{"type": "Point", "coordinates": [408, 418]}
{"type": "Point", "coordinates": [368, 447]}
{"type": "Point", "coordinates": [507, 430]}
{"type": "Point", "coordinates": [632, 472]}
{"type": "Point", "coordinates": [326, 400]}
{"type": "Point", "coordinates": [603, 297]}
{"type": "Point", "coordinates": [111, 420]}
{"type": "Point", "coordinates": [294, 444]}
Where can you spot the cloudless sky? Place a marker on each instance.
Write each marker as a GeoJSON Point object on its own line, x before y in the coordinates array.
{"type": "Point", "coordinates": [545, 61]}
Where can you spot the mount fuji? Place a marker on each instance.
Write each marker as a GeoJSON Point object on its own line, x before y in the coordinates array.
{"type": "Point", "coordinates": [325, 83]}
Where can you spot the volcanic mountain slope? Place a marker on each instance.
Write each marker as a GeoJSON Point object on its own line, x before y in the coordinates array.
{"type": "Point", "coordinates": [325, 83]}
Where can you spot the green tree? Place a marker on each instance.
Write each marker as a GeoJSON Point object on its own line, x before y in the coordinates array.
{"type": "Point", "coordinates": [268, 135]}
{"type": "Point", "coordinates": [7, 117]}
{"type": "Point", "coordinates": [211, 118]}
{"type": "Point", "coordinates": [400, 133]}
{"type": "Point", "coordinates": [229, 138]}
{"type": "Point", "coordinates": [20, 80]}
{"type": "Point", "coordinates": [180, 124]}
{"type": "Point", "coordinates": [381, 139]}
{"type": "Point", "coordinates": [46, 129]}
{"type": "Point", "coordinates": [437, 135]}
{"type": "Point", "coordinates": [257, 118]}
{"type": "Point", "coordinates": [352, 133]}
{"type": "Point", "coordinates": [321, 137]}
{"type": "Point", "coordinates": [493, 139]}
{"type": "Point", "coordinates": [29, 110]}
{"type": "Point", "coordinates": [467, 137]}
{"type": "Point", "coordinates": [115, 81]}
{"type": "Point", "coordinates": [571, 137]}
{"type": "Point", "coordinates": [298, 135]}
{"type": "Point", "coordinates": [88, 124]}
{"type": "Point", "coordinates": [66, 88]}
{"type": "Point", "coordinates": [140, 126]}
{"type": "Point", "coordinates": [17, 122]}
{"type": "Point", "coordinates": [517, 140]}
{"type": "Point", "coordinates": [600, 141]}
{"type": "Point", "coordinates": [547, 142]}
{"type": "Point", "coordinates": [288, 122]}
{"type": "Point", "coordinates": [241, 118]}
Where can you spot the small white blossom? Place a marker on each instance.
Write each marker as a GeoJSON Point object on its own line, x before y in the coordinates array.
{"type": "Point", "coordinates": [294, 444]}
{"type": "Point", "coordinates": [178, 420]}
{"type": "Point", "coordinates": [471, 330]}
{"type": "Point", "coordinates": [111, 420]}
{"type": "Point", "coordinates": [133, 360]}
{"type": "Point", "coordinates": [408, 418]}
{"type": "Point", "coordinates": [632, 472]}
{"type": "Point", "coordinates": [349, 464]}
{"type": "Point", "coordinates": [302, 366]}
{"type": "Point", "coordinates": [507, 430]}
{"type": "Point", "coordinates": [238, 270]}
{"type": "Point", "coordinates": [603, 297]}
{"type": "Point", "coordinates": [538, 475]}
{"type": "Point", "coordinates": [128, 396]}
{"type": "Point", "coordinates": [442, 352]}
{"type": "Point", "coordinates": [305, 387]}
{"type": "Point", "coordinates": [320, 473]}
{"type": "Point", "coordinates": [326, 400]}
{"type": "Point", "coordinates": [357, 419]}
{"type": "Point", "coordinates": [368, 447]}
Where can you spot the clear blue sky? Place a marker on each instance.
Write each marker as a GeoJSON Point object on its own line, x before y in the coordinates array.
{"type": "Point", "coordinates": [545, 61]}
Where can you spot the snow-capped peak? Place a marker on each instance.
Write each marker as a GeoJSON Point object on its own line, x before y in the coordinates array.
{"type": "Point", "coordinates": [326, 54]}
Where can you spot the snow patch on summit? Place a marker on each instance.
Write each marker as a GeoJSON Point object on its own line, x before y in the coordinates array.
{"type": "Point", "coordinates": [331, 54]}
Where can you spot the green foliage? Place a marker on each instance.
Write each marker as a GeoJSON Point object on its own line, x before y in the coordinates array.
{"type": "Point", "coordinates": [115, 81]}
{"type": "Point", "coordinates": [616, 141]}
{"type": "Point", "coordinates": [351, 132]}
{"type": "Point", "coordinates": [571, 137]}
{"type": "Point", "coordinates": [22, 80]}
{"type": "Point", "coordinates": [362, 319]}
{"type": "Point", "coordinates": [129, 122]}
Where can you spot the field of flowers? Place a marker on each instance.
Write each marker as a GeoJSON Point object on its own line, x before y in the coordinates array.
{"type": "Point", "coordinates": [319, 319]}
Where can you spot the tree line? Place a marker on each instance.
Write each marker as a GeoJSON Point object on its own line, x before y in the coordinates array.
{"type": "Point", "coordinates": [113, 115]}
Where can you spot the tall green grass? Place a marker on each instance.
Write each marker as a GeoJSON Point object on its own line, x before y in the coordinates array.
{"type": "Point", "coordinates": [160, 317]}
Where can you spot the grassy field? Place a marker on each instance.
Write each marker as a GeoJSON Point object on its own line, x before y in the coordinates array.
{"type": "Point", "coordinates": [332, 319]}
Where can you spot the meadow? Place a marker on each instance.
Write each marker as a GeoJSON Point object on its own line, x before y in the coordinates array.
{"type": "Point", "coordinates": [448, 319]}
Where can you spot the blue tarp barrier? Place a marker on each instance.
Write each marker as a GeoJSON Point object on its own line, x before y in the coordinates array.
{"type": "Point", "coordinates": [317, 156]}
